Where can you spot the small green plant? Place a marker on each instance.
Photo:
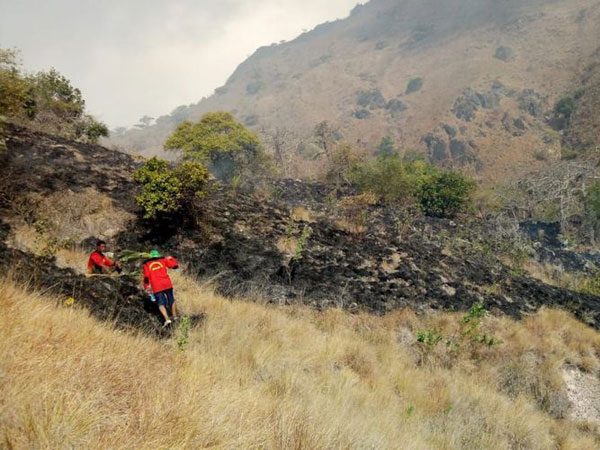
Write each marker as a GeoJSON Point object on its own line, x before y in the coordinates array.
{"type": "Point", "coordinates": [430, 338]}
{"type": "Point", "coordinates": [471, 323]}
{"type": "Point", "coordinates": [301, 244]}
{"type": "Point", "coordinates": [184, 333]}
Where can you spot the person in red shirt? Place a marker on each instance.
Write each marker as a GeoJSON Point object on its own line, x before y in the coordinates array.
{"type": "Point", "coordinates": [99, 263]}
{"type": "Point", "coordinates": [156, 278]}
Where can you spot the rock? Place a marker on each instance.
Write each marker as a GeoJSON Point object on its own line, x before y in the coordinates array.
{"type": "Point", "coordinates": [448, 290]}
{"type": "Point", "coordinates": [504, 54]}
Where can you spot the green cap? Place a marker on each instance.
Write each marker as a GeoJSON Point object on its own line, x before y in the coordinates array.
{"type": "Point", "coordinates": [155, 254]}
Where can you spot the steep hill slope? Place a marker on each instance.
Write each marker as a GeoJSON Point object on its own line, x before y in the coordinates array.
{"type": "Point", "coordinates": [255, 243]}
{"type": "Point", "coordinates": [470, 82]}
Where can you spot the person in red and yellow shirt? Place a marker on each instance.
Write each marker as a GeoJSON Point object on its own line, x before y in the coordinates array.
{"type": "Point", "coordinates": [99, 263]}
{"type": "Point", "coordinates": [156, 278]}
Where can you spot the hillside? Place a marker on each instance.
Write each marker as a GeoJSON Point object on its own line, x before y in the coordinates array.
{"type": "Point", "coordinates": [291, 243]}
{"type": "Point", "coordinates": [471, 83]}
{"type": "Point", "coordinates": [419, 332]}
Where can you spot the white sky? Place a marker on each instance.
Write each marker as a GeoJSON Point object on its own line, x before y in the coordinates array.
{"type": "Point", "coordinates": [136, 57]}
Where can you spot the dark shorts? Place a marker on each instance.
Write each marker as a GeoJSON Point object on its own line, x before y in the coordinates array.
{"type": "Point", "coordinates": [165, 298]}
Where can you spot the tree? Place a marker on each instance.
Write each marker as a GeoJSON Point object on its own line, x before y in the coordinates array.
{"type": "Point", "coordinates": [15, 93]}
{"type": "Point", "coordinates": [54, 94]}
{"type": "Point", "coordinates": [144, 122]}
{"type": "Point", "coordinates": [343, 159]}
{"type": "Point", "coordinates": [325, 135]}
{"type": "Point", "coordinates": [386, 148]}
{"type": "Point", "coordinates": [94, 129]}
{"type": "Point", "coordinates": [220, 141]}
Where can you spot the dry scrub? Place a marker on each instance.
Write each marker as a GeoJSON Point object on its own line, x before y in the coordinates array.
{"type": "Point", "coordinates": [256, 376]}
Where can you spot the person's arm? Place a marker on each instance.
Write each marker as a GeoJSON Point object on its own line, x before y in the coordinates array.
{"type": "Point", "coordinates": [90, 265]}
{"type": "Point", "coordinates": [171, 262]}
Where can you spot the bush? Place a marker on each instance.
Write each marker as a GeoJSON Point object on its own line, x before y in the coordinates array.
{"type": "Point", "coordinates": [444, 194]}
{"type": "Point", "coordinates": [438, 193]}
{"type": "Point", "coordinates": [15, 93]}
{"type": "Point", "coordinates": [46, 101]}
{"type": "Point", "coordinates": [385, 177]}
{"type": "Point", "coordinates": [565, 108]}
{"type": "Point", "coordinates": [371, 99]}
{"type": "Point", "coordinates": [343, 158]}
{"type": "Point", "coordinates": [414, 85]}
{"type": "Point", "coordinates": [386, 148]}
{"type": "Point", "coordinates": [93, 130]}
{"type": "Point", "coordinates": [166, 192]}
{"type": "Point", "coordinates": [223, 143]}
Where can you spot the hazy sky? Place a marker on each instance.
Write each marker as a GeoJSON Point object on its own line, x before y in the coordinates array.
{"type": "Point", "coordinates": [136, 57]}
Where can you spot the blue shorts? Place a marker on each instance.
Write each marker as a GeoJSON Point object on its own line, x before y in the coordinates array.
{"type": "Point", "coordinates": [165, 298]}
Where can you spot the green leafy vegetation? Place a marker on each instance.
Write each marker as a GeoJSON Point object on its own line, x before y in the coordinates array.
{"type": "Point", "coordinates": [222, 143]}
{"type": "Point", "coordinates": [438, 193]}
{"type": "Point", "coordinates": [45, 101]}
{"type": "Point", "coordinates": [166, 191]}
{"type": "Point", "coordinates": [386, 148]}
{"type": "Point", "coordinates": [444, 194]}
{"type": "Point", "coordinates": [469, 333]}
{"type": "Point", "coordinates": [370, 99]}
{"type": "Point", "coordinates": [565, 108]}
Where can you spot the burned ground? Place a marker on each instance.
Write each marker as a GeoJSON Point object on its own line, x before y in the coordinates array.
{"type": "Point", "coordinates": [250, 245]}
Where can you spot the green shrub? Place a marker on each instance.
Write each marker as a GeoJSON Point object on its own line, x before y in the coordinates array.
{"type": "Point", "coordinates": [444, 194]}
{"type": "Point", "coordinates": [385, 177]}
{"type": "Point", "coordinates": [166, 192]}
{"type": "Point", "coordinates": [386, 148]}
{"type": "Point", "coordinates": [397, 180]}
{"type": "Point", "coordinates": [343, 158]}
{"type": "Point", "coordinates": [565, 108]}
{"type": "Point", "coordinates": [371, 99]}
{"type": "Point", "coordinates": [15, 93]}
{"type": "Point", "coordinates": [46, 101]}
{"type": "Point", "coordinates": [93, 130]}
{"type": "Point", "coordinates": [414, 85]}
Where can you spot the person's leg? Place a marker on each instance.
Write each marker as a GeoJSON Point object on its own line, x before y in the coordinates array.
{"type": "Point", "coordinates": [163, 302]}
{"type": "Point", "coordinates": [172, 303]}
{"type": "Point", "coordinates": [163, 311]}
{"type": "Point", "coordinates": [174, 311]}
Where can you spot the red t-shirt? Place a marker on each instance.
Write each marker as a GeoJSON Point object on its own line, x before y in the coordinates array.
{"type": "Point", "coordinates": [97, 261]}
{"type": "Point", "coordinates": [156, 275]}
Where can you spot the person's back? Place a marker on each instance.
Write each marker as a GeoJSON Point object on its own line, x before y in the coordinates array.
{"type": "Point", "coordinates": [156, 274]}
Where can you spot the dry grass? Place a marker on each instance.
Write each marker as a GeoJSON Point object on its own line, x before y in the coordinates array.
{"type": "Point", "coordinates": [59, 221]}
{"type": "Point", "coordinates": [255, 376]}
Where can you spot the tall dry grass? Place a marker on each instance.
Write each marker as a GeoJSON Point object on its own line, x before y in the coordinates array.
{"type": "Point", "coordinates": [256, 376]}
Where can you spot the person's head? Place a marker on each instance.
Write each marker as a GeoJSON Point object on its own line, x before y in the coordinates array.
{"type": "Point", "coordinates": [155, 254]}
{"type": "Point", "coordinates": [101, 246]}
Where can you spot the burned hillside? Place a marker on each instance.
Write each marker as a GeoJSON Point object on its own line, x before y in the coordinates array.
{"type": "Point", "coordinates": [284, 244]}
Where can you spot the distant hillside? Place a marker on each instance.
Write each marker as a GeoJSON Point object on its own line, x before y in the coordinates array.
{"type": "Point", "coordinates": [471, 82]}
